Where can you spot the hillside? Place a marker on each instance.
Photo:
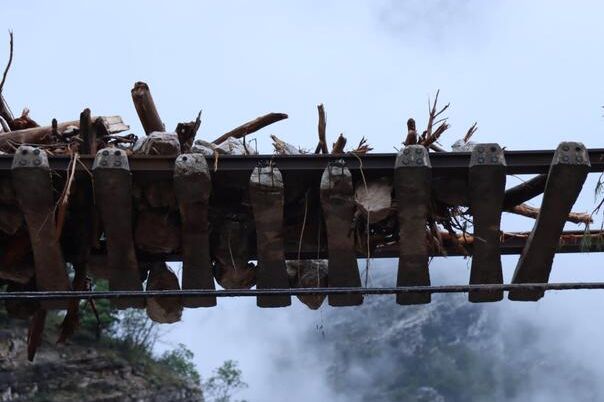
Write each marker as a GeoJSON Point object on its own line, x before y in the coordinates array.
{"type": "Point", "coordinates": [85, 370]}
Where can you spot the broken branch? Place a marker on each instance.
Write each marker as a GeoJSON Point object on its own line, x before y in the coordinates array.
{"type": "Point", "coordinates": [338, 146]}
{"type": "Point", "coordinates": [10, 61]}
{"type": "Point", "coordinates": [532, 212]}
{"type": "Point", "coordinates": [322, 145]}
{"type": "Point", "coordinates": [251, 126]}
{"type": "Point", "coordinates": [145, 108]}
{"type": "Point", "coordinates": [524, 191]}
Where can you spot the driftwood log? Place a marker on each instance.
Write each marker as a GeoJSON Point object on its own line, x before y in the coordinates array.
{"type": "Point", "coordinates": [145, 108]}
{"type": "Point", "coordinates": [43, 135]}
{"type": "Point", "coordinates": [251, 126]}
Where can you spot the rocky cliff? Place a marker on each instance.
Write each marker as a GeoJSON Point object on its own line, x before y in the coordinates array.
{"type": "Point", "coordinates": [84, 371]}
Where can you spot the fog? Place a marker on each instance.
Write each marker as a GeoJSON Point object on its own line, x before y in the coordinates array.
{"type": "Point", "coordinates": [530, 73]}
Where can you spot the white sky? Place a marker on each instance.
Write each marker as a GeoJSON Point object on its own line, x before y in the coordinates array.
{"type": "Point", "coordinates": [530, 73]}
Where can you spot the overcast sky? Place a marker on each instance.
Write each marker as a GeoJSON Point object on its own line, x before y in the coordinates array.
{"type": "Point", "coordinates": [530, 73]}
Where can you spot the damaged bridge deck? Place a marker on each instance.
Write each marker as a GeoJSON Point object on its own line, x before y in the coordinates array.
{"type": "Point", "coordinates": [281, 221]}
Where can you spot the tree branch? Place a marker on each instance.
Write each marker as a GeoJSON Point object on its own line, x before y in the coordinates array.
{"type": "Point", "coordinates": [10, 61]}
{"type": "Point", "coordinates": [251, 126]}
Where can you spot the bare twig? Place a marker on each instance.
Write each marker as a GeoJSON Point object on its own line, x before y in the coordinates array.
{"type": "Point", "coordinates": [362, 148]}
{"type": "Point", "coordinates": [433, 114]}
{"type": "Point", "coordinates": [64, 199]}
{"type": "Point", "coordinates": [470, 132]}
{"type": "Point", "coordinates": [10, 61]}
{"type": "Point", "coordinates": [436, 135]}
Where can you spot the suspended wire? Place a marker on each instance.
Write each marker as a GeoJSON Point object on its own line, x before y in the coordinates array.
{"type": "Point", "coordinates": [87, 295]}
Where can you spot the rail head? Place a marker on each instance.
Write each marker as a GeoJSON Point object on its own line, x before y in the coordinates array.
{"type": "Point", "coordinates": [518, 162]}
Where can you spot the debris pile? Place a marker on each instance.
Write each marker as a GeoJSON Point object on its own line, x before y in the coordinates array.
{"type": "Point", "coordinates": [94, 225]}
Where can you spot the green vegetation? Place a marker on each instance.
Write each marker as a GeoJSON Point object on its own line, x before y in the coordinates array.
{"type": "Point", "coordinates": [224, 383]}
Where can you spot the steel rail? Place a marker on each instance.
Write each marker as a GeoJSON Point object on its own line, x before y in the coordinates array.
{"type": "Point", "coordinates": [518, 162]}
{"type": "Point", "coordinates": [62, 295]}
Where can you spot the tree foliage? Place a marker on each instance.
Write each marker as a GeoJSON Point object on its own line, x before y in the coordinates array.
{"type": "Point", "coordinates": [225, 382]}
{"type": "Point", "coordinates": [180, 360]}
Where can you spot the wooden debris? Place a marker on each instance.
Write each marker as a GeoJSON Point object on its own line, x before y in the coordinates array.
{"type": "Point", "coordinates": [165, 310]}
{"type": "Point", "coordinates": [34, 191]}
{"type": "Point", "coordinates": [283, 148]}
{"type": "Point", "coordinates": [16, 264]}
{"type": "Point", "coordinates": [233, 146]}
{"type": "Point", "coordinates": [338, 146]}
{"type": "Point", "coordinates": [337, 204]}
{"type": "Point", "coordinates": [375, 200]}
{"type": "Point", "coordinates": [321, 128]}
{"type": "Point", "coordinates": [160, 194]}
{"type": "Point", "coordinates": [411, 133]}
{"type": "Point", "coordinates": [10, 61]}
{"type": "Point", "coordinates": [44, 135]}
{"type": "Point", "coordinates": [5, 113]}
{"type": "Point", "coordinates": [4, 127]}
{"type": "Point", "coordinates": [532, 212]}
{"type": "Point", "coordinates": [87, 133]}
{"type": "Point", "coordinates": [362, 148]}
{"type": "Point", "coordinates": [158, 143]}
{"type": "Point", "coordinates": [23, 122]}
{"type": "Point", "coordinates": [145, 108]}
{"type": "Point", "coordinates": [110, 124]}
{"type": "Point", "coordinates": [412, 177]}
{"type": "Point", "coordinates": [308, 274]}
{"type": "Point", "coordinates": [11, 219]}
{"type": "Point", "coordinates": [567, 174]}
{"type": "Point", "coordinates": [157, 231]}
{"type": "Point", "coordinates": [232, 245]}
{"type": "Point", "coordinates": [186, 133]}
{"type": "Point", "coordinates": [251, 126]}
{"type": "Point", "coordinates": [34, 334]}
{"type": "Point", "coordinates": [487, 191]}
{"type": "Point", "coordinates": [266, 195]}
{"type": "Point", "coordinates": [72, 318]}
{"type": "Point", "coordinates": [192, 186]}
{"type": "Point", "coordinates": [524, 191]}
{"type": "Point", "coordinates": [113, 186]}
{"type": "Point", "coordinates": [205, 148]}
